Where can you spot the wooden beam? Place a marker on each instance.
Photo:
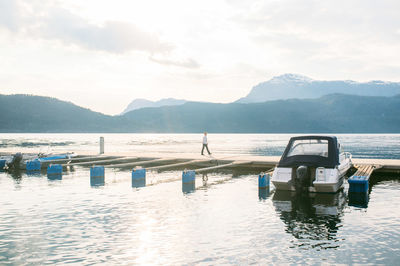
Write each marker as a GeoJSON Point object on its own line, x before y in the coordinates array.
{"type": "Point", "coordinates": [79, 159]}
{"type": "Point", "coordinates": [120, 165]}
{"type": "Point", "coordinates": [177, 164]}
{"type": "Point", "coordinates": [235, 163]}
{"type": "Point", "coordinates": [102, 161]}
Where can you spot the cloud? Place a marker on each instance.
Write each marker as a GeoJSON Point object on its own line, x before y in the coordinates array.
{"type": "Point", "coordinates": [316, 33]}
{"type": "Point", "coordinates": [187, 63]}
{"type": "Point", "coordinates": [113, 36]}
{"type": "Point", "coordinates": [9, 15]}
{"type": "Point", "coordinates": [56, 23]}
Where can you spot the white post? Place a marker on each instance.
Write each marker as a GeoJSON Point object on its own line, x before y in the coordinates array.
{"type": "Point", "coordinates": [101, 145]}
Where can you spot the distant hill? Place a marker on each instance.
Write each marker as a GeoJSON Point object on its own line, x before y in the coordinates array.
{"type": "Point", "coordinates": [143, 103]}
{"type": "Point", "coordinates": [27, 113]}
{"type": "Point", "coordinates": [337, 113]}
{"type": "Point", "coordinates": [296, 86]}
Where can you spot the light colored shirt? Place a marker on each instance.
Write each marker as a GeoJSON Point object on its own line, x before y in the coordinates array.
{"type": "Point", "coordinates": [205, 140]}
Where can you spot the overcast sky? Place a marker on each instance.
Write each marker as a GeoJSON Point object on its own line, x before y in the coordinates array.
{"type": "Point", "coordinates": [103, 54]}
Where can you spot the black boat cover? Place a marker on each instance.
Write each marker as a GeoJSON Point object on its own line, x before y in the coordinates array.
{"type": "Point", "coordinates": [329, 161]}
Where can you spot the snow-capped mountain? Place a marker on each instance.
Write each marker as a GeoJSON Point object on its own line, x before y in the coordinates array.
{"type": "Point", "coordinates": [296, 86]}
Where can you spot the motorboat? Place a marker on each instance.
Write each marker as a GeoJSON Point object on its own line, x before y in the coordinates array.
{"type": "Point", "coordinates": [19, 160]}
{"type": "Point", "coordinates": [312, 164]}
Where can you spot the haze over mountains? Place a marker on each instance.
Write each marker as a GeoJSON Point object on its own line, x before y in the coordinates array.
{"type": "Point", "coordinates": [289, 86]}
{"type": "Point", "coordinates": [258, 112]}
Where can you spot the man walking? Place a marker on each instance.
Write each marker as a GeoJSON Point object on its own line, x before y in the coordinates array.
{"type": "Point", "coordinates": [205, 144]}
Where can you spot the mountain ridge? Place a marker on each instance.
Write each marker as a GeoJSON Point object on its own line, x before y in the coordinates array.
{"type": "Point", "coordinates": [144, 103]}
{"type": "Point", "coordinates": [335, 113]}
{"type": "Point", "coordinates": [288, 86]}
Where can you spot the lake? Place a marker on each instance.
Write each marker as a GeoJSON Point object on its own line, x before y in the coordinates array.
{"type": "Point", "coordinates": [226, 219]}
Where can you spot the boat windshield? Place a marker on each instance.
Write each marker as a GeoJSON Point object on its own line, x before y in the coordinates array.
{"type": "Point", "coordinates": [317, 147]}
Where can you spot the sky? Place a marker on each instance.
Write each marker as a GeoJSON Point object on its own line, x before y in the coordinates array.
{"type": "Point", "coordinates": [103, 54]}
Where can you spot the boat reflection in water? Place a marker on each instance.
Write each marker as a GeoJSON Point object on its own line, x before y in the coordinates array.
{"type": "Point", "coordinates": [312, 219]}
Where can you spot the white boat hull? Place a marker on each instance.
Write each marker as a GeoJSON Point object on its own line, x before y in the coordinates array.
{"type": "Point", "coordinates": [282, 180]}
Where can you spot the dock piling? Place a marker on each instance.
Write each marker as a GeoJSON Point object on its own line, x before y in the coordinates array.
{"type": "Point", "coordinates": [101, 145]}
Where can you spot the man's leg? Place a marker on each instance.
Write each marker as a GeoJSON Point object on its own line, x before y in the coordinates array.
{"type": "Point", "coordinates": [202, 149]}
{"type": "Point", "coordinates": [208, 149]}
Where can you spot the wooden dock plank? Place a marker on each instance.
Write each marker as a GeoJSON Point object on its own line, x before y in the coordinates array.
{"type": "Point", "coordinates": [101, 161]}
{"type": "Point", "coordinates": [177, 164]}
{"type": "Point", "coordinates": [83, 158]}
{"type": "Point", "coordinates": [236, 163]}
{"type": "Point", "coordinates": [121, 165]}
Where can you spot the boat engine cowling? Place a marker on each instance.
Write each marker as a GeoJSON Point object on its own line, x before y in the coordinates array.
{"type": "Point", "coordinates": [15, 162]}
{"type": "Point", "coordinates": [302, 179]}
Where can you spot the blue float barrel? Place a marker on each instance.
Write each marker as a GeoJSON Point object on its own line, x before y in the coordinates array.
{"type": "Point", "coordinates": [263, 180]}
{"type": "Point", "coordinates": [188, 177]}
{"type": "Point", "coordinates": [139, 177]}
{"type": "Point", "coordinates": [97, 176]}
{"type": "Point", "coordinates": [358, 184]}
{"type": "Point", "coordinates": [33, 165]}
{"type": "Point", "coordinates": [2, 164]}
{"type": "Point", "coordinates": [54, 171]}
{"type": "Point", "coordinates": [97, 171]}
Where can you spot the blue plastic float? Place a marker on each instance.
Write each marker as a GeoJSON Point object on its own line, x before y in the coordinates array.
{"type": "Point", "coordinates": [358, 184]}
{"type": "Point", "coordinates": [139, 177]}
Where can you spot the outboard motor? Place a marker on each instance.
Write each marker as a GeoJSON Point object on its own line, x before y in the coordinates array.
{"type": "Point", "coordinates": [15, 162]}
{"type": "Point", "coordinates": [302, 179]}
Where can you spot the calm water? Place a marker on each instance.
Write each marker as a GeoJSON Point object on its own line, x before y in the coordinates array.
{"type": "Point", "coordinates": [225, 220]}
{"type": "Point", "coordinates": [361, 146]}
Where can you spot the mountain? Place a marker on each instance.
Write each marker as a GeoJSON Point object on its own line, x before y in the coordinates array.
{"type": "Point", "coordinates": [289, 86]}
{"type": "Point", "coordinates": [143, 103]}
{"type": "Point", "coordinates": [336, 113]}
{"type": "Point", "coordinates": [27, 113]}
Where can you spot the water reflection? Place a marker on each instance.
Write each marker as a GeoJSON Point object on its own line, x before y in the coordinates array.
{"type": "Point", "coordinates": [358, 199]}
{"type": "Point", "coordinates": [312, 219]}
{"type": "Point", "coordinates": [96, 181]}
{"type": "Point", "coordinates": [263, 193]}
{"type": "Point", "coordinates": [188, 187]}
{"type": "Point", "coordinates": [16, 175]}
{"type": "Point", "coordinates": [136, 183]}
{"type": "Point", "coordinates": [37, 173]}
{"type": "Point", "coordinates": [57, 176]}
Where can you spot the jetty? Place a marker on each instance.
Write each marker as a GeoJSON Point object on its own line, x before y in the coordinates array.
{"type": "Point", "coordinates": [192, 164]}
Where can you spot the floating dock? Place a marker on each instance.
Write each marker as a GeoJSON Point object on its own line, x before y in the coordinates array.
{"type": "Point", "coordinates": [161, 161]}
{"type": "Point", "coordinates": [202, 164]}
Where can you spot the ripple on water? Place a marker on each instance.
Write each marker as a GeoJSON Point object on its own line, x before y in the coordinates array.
{"type": "Point", "coordinates": [226, 221]}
